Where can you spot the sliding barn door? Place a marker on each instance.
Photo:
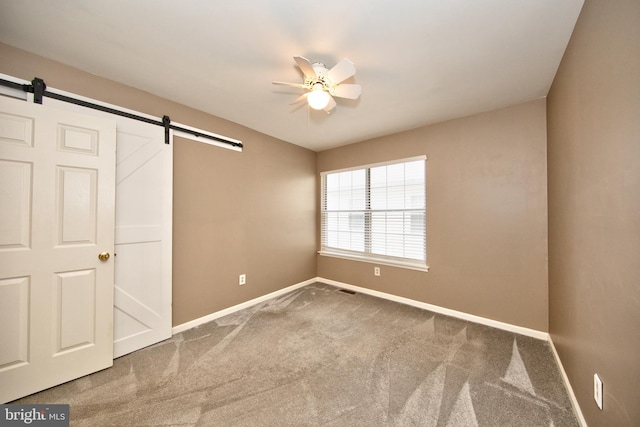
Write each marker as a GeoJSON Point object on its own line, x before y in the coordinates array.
{"type": "Point", "coordinates": [142, 309]}
{"type": "Point", "coordinates": [144, 200]}
{"type": "Point", "coordinates": [57, 193]}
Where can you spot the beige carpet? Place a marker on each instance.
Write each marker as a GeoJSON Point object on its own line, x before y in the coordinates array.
{"type": "Point", "coordinates": [322, 357]}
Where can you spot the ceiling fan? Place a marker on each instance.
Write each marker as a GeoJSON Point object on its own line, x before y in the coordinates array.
{"type": "Point", "coordinates": [323, 84]}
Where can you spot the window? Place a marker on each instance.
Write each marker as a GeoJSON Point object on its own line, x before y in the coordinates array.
{"type": "Point", "coordinates": [376, 213]}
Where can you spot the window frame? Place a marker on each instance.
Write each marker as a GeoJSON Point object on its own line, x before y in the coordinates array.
{"type": "Point", "coordinates": [365, 256]}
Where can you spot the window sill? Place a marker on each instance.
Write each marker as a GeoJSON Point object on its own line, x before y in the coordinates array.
{"type": "Point", "coordinates": [379, 261]}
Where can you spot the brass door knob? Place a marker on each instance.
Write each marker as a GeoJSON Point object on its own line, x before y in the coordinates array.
{"type": "Point", "coordinates": [104, 256]}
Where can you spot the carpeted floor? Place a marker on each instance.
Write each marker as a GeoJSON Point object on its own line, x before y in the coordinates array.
{"type": "Point", "coordinates": [322, 357]}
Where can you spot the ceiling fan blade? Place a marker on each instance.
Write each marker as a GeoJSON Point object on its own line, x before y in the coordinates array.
{"type": "Point", "coordinates": [331, 105]}
{"type": "Point", "coordinates": [298, 85]}
{"type": "Point", "coordinates": [347, 91]}
{"type": "Point", "coordinates": [300, 98]}
{"type": "Point", "coordinates": [341, 71]}
{"type": "Point", "coordinates": [305, 66]}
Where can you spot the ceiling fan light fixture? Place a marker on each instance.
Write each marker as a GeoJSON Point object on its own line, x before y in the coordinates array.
{"type": "Point", "coordinates": [322, 85]}
{"type": "Point", "coordinates": [318, 98]}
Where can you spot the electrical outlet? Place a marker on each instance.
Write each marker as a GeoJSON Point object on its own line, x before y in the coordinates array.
{"type": "Point", "coordinates": [242, 279]}
{"type": "Point", "coordinates": [597, 390]}
{"type": "Point", "coordinates": [376, 271]}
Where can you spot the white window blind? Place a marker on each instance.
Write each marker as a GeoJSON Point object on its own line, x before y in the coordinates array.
{"type": "Point", "coordinates": [376, 213]}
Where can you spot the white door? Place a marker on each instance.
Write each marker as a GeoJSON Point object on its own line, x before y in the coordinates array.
{"type": "Point", "coordinates": [144, 200]}
{"type": "Point", "coordinates": [57, 193]}
{"type": "Point", "coordinates": [142, 305]}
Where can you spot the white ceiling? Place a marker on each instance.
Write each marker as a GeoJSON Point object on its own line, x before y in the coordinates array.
{"type": "Point", "coordinates": [418, 61]}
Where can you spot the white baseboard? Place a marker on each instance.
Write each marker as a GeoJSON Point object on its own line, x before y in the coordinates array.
{"type": "Point", "coordinates": [441, 310]}
{"type": "Point", "coordinates": [565, 378]}
{"type": "Point", "coordinates": [423, 305]}
{"type": "Point", "coordinates": [213, 316]}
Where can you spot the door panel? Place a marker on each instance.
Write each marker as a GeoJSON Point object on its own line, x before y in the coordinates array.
{"type": "Point", "coordinates": [15, 218]}
{"type": "Point", "coordinates": [76, 204]}
{"type": "Point", "coordinates": [14, 310]}
{"type": "Point", "coordinates": [74, 312]}
{"type": "Point", "coordinates": [16, 130]}
{"type": "Point", "coordinates": [57, 195]}
{"type": "Point", "coordinates": [78, 140]}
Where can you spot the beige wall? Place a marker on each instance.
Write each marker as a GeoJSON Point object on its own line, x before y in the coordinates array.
{"type": "Point", "coordinates": [486, 215]}
{"type": "Point", "coordinates": [594, 210]}
{"type": "Point", "coordinates": [251, 212]}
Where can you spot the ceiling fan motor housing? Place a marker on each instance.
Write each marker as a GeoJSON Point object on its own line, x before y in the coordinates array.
{"type": "Point", "coordinates": [321, 76]}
